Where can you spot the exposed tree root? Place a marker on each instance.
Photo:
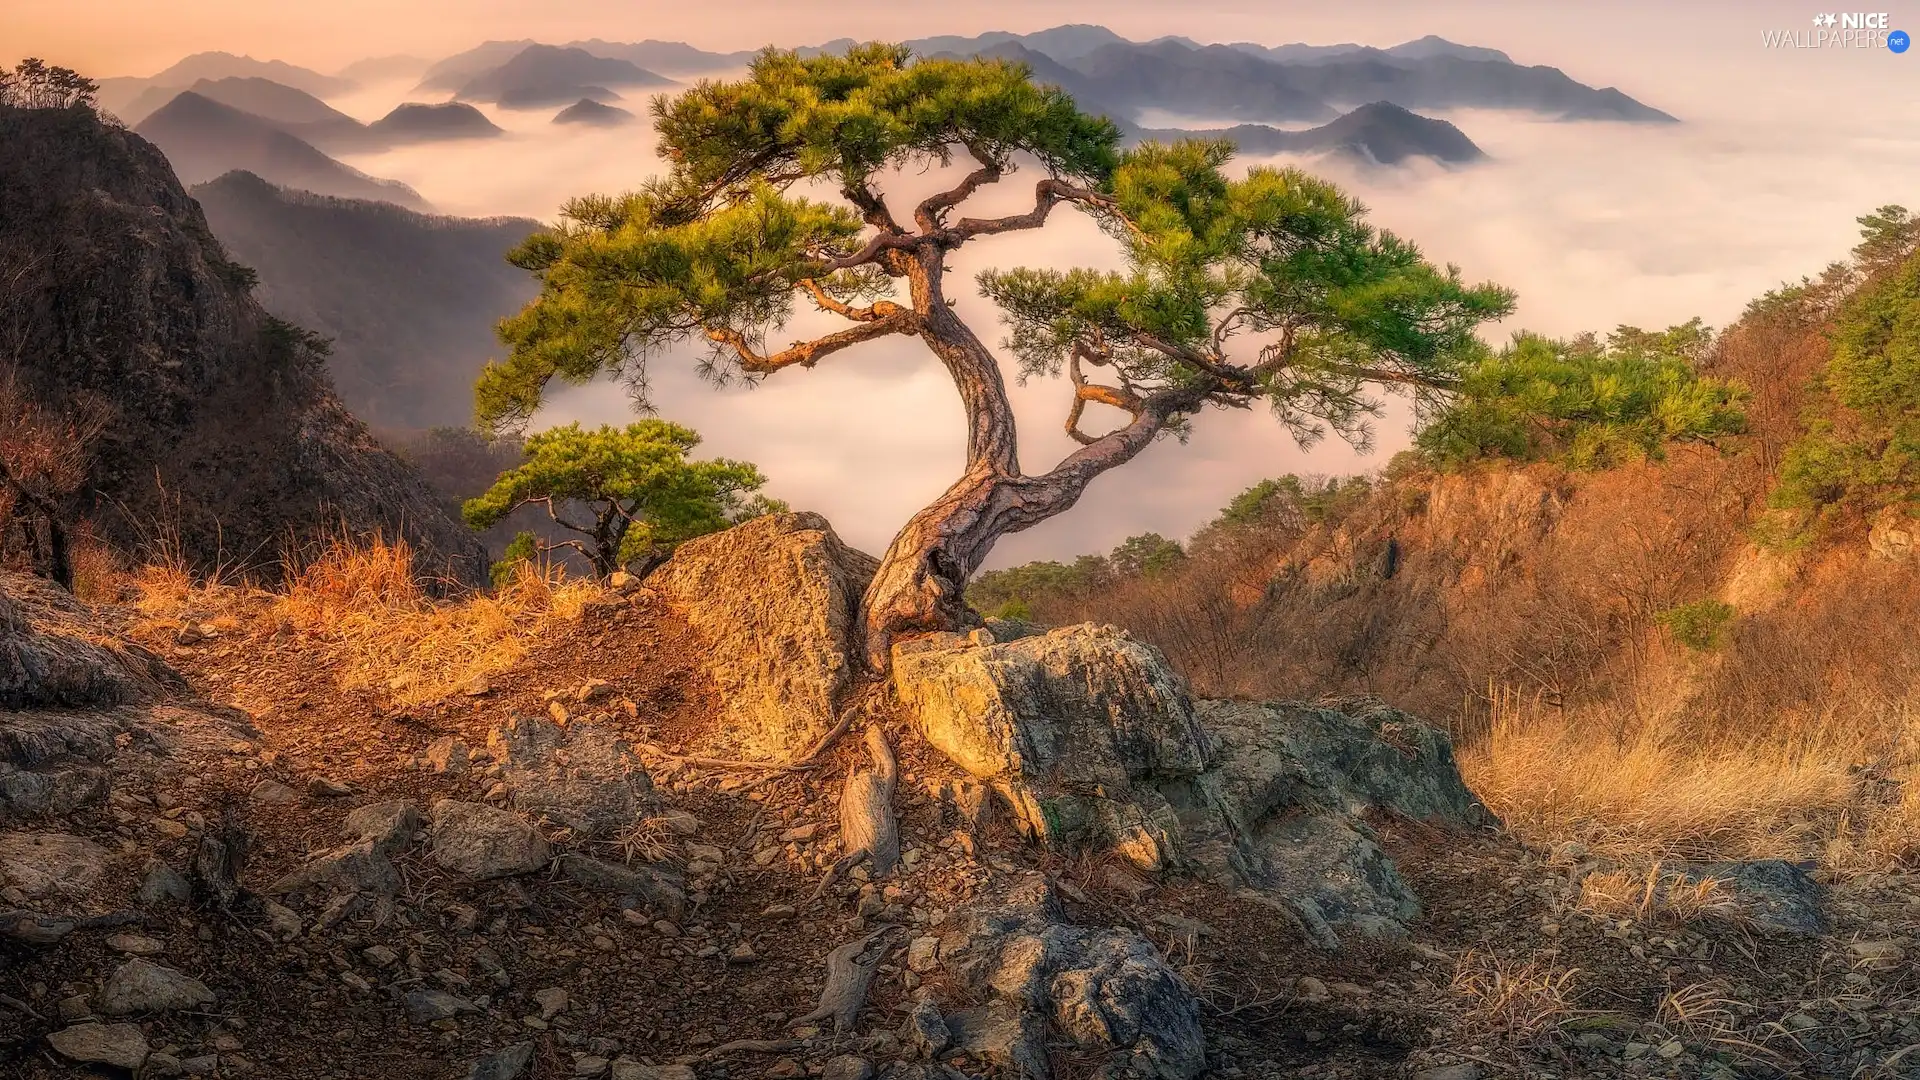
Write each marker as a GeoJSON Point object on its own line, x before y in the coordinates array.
{"type": "Point", "coordinates": [850, 971]}
{"type": "Point", "coordinates": [867, 822]}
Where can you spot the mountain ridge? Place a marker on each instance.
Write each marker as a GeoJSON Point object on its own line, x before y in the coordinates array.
{"type": "Point", "coordinates": [204, 138]}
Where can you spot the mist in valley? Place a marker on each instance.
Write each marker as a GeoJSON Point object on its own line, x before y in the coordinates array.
{"type": "Point", "coordinates": [1595, 225]}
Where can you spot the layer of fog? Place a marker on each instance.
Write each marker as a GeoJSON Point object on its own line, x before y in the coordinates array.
{"type": "Point", "coordinates": [1595, 225]}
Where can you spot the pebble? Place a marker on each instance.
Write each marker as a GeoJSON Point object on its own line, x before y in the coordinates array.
{"type": "Point", "coordinates": [135, 945]}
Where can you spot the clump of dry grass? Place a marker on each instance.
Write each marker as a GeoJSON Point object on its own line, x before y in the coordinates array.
{"type": "Point", "coordinates": [1656, 896]}
{"type": "Point", "coordinates": [364, 602]}
{"type": "Point", "coordinates": [1664, 791]}
{"type": "Point", "coordinates": [1516, 1001]}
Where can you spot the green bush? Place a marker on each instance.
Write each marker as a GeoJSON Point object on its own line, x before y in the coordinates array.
{"type": "Point", "coordinates": [1862, 446]}
{"type": "Point", "coordinates": [1586, 404]}
{"type": "Point", "coordinates": [1700, 625]}
{"type": "Point", "coordinates": [524, 548]}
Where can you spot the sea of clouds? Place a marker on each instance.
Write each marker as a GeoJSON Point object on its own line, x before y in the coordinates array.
{"type": "Point", "coordinates": [1594, 224]}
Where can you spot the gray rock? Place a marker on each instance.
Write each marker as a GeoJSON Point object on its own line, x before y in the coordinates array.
{"type": "Point", "coordinates": [1095, 742]}
{"type": "Point", "coordinates": [361, 867]}
{"type": "Point", "coordinates": [483, 842]}
{"type": "Point", "coordinates": [387, 825]}
{"type": "Point", "coordinates": [1777, 895]}
{"type": "Point", "coordinates": [449, 756]}
{"type": "Point", "coordinates": [792, 580]}
{"type": "Point", "coordinates": [1004, 1033]}
{"type": "Point", "coordinates": [926, 1031]}
{"type": "Point", "coordinates": [1351, 756]}
{"type": "Point", "coordinates": [141, 986]}
{"type": "Point", "coordinates": [163, 885]}
{"type": "Point", "coordinates": [119, 1045]}
{"type": "Point", "coordinates": [847, 1067]}
{"type": "Point", "coordinates": [274, 793]}
{"type": "Point", "coordinates": [51, 866]}
{"type": "Point", "coordinates": [552, 1002]}
{"type": "Point", "coordinates": [1102, 988]}
{"type": "Point", "coordinates": [424, 1006]}
{"type": "Point", "coordinates": [379, 830]}
{"type": "Point", "coordinates": [1079, 729]}
{"type": "Point", "coordinates": [582, 777]}
{"type": "Point", "coordinates": [508, 1064]}
{"type": "Point", "coordinates": [659, 888]}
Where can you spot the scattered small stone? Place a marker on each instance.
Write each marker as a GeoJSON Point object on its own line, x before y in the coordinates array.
{"type": "Point", "coordinates": [141, 986]}
{"type": "Point", "coordinates": [1876, 955]}
{"type": "Point", "coordinates": [135, 945]}
{"type": "Point", "coordinates": [162, 885]}
{"type": "Point", "coordinates": [426, 1006]}
{"type": "Point", "coordinates": [380, 956]}
{"type": "Point", "coordinates": [799, 834]}
{"type": "Point", "coordinates": [785, 1069]}
{"type": "Point", "coordinates": [282, 922]}
{"type": "Point", "coordinates": [1312, 989]}
{"type": "Point", "coordinates": [71, 1009]}
{"type": "Point", "coordinates": [274, 793]}
{"type": "Point", "coordinates": [589, 1065]}
{"type": "Point", "coordinates": [847, 1067]}
{"type": "Point", "coordinates": [923, 954]}
{"type": "Point", "coordinates": [119, 1045]}
{"type": "Point", "coordinates": [508, 1064]}
{"type": "Point", "coordinates": [322, 787]}
{"type": "Point", "coordinates": [552, 1001]}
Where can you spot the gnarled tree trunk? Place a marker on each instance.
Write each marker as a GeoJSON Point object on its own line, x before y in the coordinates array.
{"type": "Point", "coordinates": [919, 586]}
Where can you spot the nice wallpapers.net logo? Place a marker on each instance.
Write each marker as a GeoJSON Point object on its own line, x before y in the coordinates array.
{"type": "Point", "coordinates": [1841, 30]}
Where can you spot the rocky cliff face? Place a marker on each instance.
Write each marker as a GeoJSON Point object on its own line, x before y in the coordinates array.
{"type": "Point", "coordinates": [227, 437]}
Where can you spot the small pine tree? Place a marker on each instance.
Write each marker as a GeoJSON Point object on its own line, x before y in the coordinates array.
{"type": "Point", "coordinates": [630, 492]}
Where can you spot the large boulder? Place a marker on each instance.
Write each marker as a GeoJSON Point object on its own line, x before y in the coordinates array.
{"type": "Point", "coordinates": [1095, 744]}
{"type": "Point", "coordinates": [777, 602]}
{"type": "Point", "coordinates": [582, 777]}
{"type": "Point", "coordinates": [1104, 988]}
{"type": "Point", "coordinates": [482, 842]}
{"type": "Point", "coordinates": [1078, 729]}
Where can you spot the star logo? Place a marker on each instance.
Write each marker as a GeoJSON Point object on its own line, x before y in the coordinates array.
{"type": "Point", "coordinates": [1819, 20]}
{"type": "Point", "coordinates": [1830, 20]}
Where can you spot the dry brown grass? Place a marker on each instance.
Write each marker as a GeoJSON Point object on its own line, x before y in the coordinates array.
{"type": "Point", "coordinates": [1515, 1001]}
{"type": "Point", "coordinates": [385, 629]}
{"type": "Point", "coordinates": [1656, 896]}
{"type": "Point", "coordinates": [1840, 786]}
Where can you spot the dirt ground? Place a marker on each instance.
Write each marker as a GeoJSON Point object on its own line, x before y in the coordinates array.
{"type": "Point", "coordinates": [1503, 976]}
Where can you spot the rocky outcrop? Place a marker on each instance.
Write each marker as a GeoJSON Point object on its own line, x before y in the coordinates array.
{"type": "Point", "coordinates": [1077, 729]}
{"type": "Point", "coordinates": [776, 600]}
{"type": "Point", "coordinates": [1028, 968]}
{"type": "Point", "coordinates": [1894, 535]}
{"type": "Point", "coordinates": [581, 777]}
{"type": "Point", "coordinates": [225, 433]}
{"type": "Point", "coordinates": [1094, 743]}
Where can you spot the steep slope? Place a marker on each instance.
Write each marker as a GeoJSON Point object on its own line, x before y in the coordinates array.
{"type": "Point", "coordinates": [409, 300]}
{"type": "Point", "coordinates": [1381, 133]}
{"type": "Point", "coordinates": [204, 139]}
{"type": "Point", "coordinates": [228, 437]}
{"type": "Point", "coordinates": [414, 123]}
{"type": "Point", "coordinates": [545, 74]}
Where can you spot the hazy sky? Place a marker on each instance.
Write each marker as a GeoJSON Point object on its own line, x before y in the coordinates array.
{"type": "Point", "coordinates": [1594, 224]}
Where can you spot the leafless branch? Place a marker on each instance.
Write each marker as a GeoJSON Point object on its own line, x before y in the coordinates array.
{"type": "Point", "coordinates": [809, 353]}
